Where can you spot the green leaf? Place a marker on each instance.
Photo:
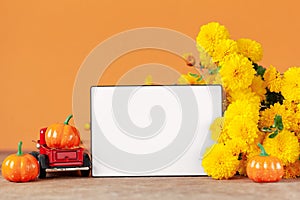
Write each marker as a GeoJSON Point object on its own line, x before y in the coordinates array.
{"type": "Point", "coordinates": [200, 78]}
{"type": "Point", "coordinates": [212, 71]}
{"type": "Point", "coordinates": [274, 134]}
{"type": "Point", "coordinates": [194, 75]}
{"type": "Point", "coordinates": [261, 71]}
{"type": "Point", "coordinates": [266, 129]}
{"type": "Point", "coordinates": [278, 122]}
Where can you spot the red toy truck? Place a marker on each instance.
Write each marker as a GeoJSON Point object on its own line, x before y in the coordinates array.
{"type": "Point", "coordinates": [55, 160]}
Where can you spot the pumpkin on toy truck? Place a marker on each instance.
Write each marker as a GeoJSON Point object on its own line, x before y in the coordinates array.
{"type": "Point", "coordinates": [59, 150]}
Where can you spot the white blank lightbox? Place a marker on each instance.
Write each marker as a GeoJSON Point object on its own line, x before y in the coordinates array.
{"type": "Point", "coordinates": [152, 130]}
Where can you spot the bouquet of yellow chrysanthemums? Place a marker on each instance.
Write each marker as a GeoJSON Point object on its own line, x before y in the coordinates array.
{"type": "Point", "coordinates": [255, 98]}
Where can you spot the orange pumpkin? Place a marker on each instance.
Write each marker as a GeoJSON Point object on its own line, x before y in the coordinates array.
{"type": "Point", "coordinates": [264, 168]}
{"type": "Point", "coordinates": [20, 167]}
{"type": "Point", "coordinates": [62, 135]}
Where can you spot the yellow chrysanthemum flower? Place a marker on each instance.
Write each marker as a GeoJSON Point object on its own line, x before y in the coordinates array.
{"type": "Point", "coordinates": [216, 128]}
{"type": "Point", "coordinates": [205, 59]}
{"type": "Point", "coordinates": [191, 79]}
{"type": "Point", "coordinates": [237, 145]}
{"type": "Point", "coordinates": [243, 108]}
{"type": "Point", "coordinates": [291, 105]}
{"type": "Point", "coordinates": [253, 149]}
{"type": "Point", "coordinates": [212, 78]}
{"type": "Point", "coordinates": [242, 128]}
{"type": "Point", "coordinates": [291, 84]}
{"type": "Point", "coordinates": [250, 49]}
{"type": "Point", "coordinates": [217, 79]}
{"type": "Point", "coordinates": [258, 86]}
{"type": "Point", "coordinates": [224, 48]}
{"type": "Point", "coordinates": [237, 72]}
{"type": "Point", "coordinates": [284, 146]}
{"type": "Point", "coordinates": [209, 34]}
{"type": "Point", "coordinates": [267, 116]}
{"type": "Point", "coordinates": [292, 170]}
{"type": "Point", "coordinates": [224, 137]}
{"type": "Point", "coordinates": [245, 94]}
{"type": "Point", "coordinates": [242, 169]}
{"type": "Point", "coordinates": [219, 162]}
{"type": "Point", "coordinates": [273, 79]}
{"type": "Point", "coordinates": [291, 118]}
{"type": "Point", "coordinates": [296, 124]}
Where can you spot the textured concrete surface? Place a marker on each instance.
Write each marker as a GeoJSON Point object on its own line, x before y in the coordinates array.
{"type": "Point", "coordinates": [71, 186]}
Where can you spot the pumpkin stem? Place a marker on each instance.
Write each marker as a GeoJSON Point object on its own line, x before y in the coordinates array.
{"type": "Point", "coordinates": [262, 150]}
{"type": "Point", "coordinates": [68, 119]}
{"type": "Point", "coordinates": [20, 153]}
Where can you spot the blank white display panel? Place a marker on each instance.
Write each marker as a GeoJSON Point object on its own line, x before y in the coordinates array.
{"type": "Point", "coordinates": [152, 130]}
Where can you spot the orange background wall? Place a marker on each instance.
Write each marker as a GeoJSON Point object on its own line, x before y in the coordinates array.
{"type": "Point", "coordinates": [43, 44]}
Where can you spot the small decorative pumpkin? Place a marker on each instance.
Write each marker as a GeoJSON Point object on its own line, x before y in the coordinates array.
{"type": "Point", "coordinates": [264, 168]}
{"type": "Point", "coordinates": [62, 135]}
{"type": "Point", "coordinates": [20, 167]}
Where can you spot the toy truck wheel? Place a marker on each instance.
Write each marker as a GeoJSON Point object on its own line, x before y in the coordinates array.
{"type": "Point", "coordinates": [86, 163]}
{"type": "Point", "coordinates": [43, 165]}
{"type": "Point", "coordinates": [42, 173]}
{"type": "Point", "coordinates": [35, 154]}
